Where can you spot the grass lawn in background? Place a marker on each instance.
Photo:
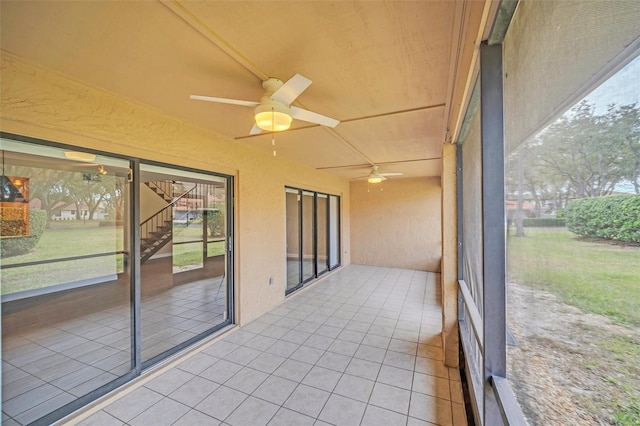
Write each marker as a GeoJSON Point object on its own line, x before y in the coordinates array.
{"type": "Point", "coordinates": [596, 277]}
{"type": "Point", "coordinates": [566, 355]}
{"type": "Point", "coordinates": [66, 239]}
{"type": "Point", "coordinates": [78, 238]}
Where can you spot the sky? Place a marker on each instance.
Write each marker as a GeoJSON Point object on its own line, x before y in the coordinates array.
{"type": "Point", "coordinates": [622, 88]}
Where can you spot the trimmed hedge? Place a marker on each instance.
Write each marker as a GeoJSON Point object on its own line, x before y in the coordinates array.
{"type": "Point", "coordinates": [535, 222]}
{"type": "Point", "coordinates": [20, 245]}
{"type": "Point", "coordinates": [109, 223]}
{"type": "Point", "coordinates": [612, 218]}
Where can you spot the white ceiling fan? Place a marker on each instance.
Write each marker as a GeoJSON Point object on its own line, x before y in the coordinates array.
{"type": "Point", "coordinates": [274, 111]}
{"type": "Point", "coordinates": [375, 176]}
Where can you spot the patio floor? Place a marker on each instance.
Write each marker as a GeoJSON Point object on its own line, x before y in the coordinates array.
{"type": "Point", "coordinates": [360, 347]}
{"type": "Point", "coordinates": [44, 368]}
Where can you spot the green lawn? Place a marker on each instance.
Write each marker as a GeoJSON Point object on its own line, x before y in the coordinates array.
{"type": "Point", "coordinates": [77, 238]}
{"type": "Point", "coordinates": [596, 277]}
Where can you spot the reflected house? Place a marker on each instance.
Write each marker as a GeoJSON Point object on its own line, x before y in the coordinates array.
{"type": "Point", "coordinates": [312, 290]}
{"type": "Point", "coordinates": [528, 209]}
{"type": "Point", "coordinates": [187, 210]}
{"type": "Point", "coordinates": [71, 211]}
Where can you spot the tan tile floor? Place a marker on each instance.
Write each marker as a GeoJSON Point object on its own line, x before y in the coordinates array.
{"type": "Point", "coordinates": [47, 367]}
{"type": "Point", "coordinates": [360, 347]}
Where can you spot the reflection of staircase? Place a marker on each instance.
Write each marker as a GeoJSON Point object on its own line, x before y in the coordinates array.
{"type": "Point", "coordinates": [164, 189]}
{"type": "Point", "coordinates": [155, 240]}
{"type": "Point", "coordinates": [157, 231]}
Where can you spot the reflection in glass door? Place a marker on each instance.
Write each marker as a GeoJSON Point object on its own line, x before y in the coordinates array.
{"type": "Point", "coordinates": [69, 264]}
{"type": "Point", "coordinates": [293, 205]}
{"type": "Point", "coordinates": [312, 235]}
{"type": "Point", "coordinates": [183, 256]}
{"type": "Point", "coordinates": [334, 231]}
{"type": "Point", "coordinates": [321, 219]}
{"type": "Point", "coordinates": [308, 242]}
{"type": "Point", "coordinates": [66, 281]}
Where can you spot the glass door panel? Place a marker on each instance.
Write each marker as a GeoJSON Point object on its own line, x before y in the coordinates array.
{"type": "Point", "coordinates": [334, 231]}
{"type": "Point", "coordinates": [183, 257]}
{"type": "Point", "coordinates": [66, 283]}
{"type": "Point", "coordinates": [308, 242]}
{"type": "Point", "coordinates": [322, 229]}
{"type": "Point", "coordinates": [294, 257]}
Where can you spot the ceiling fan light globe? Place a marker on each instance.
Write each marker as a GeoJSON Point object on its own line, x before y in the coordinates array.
{"type": "Point", "coordinates": [80, 156]}
{"type": "Point", "coordinates": [374, 179]}
{"type": "Point", "coordinates": [273, 121]}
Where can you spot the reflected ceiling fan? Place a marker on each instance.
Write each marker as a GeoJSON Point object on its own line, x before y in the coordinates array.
{"type": "Point", "coordinates": [84, 159]}
{"type": "Point", "coordinates": [375, 176]}
{"type": "Point", "coordinates": [274, 111]}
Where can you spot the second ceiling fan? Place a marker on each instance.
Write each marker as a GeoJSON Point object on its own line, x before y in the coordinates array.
{"type": "Point", "coordinates": [274, 111]}
{"type": "Point", "coordinates": [375, 176]}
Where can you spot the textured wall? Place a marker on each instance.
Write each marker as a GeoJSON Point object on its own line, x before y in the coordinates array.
{"type": "Point", "coordinates": [42, 104]}
{"type": "Point", "coordinates": [399, 226]}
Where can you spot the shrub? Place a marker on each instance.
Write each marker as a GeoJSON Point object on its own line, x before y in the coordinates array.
{"type": "Point", "coordinates": [215, 222]}
{"type": "Point", "coordinates": [535, 222]}
{"type": "Point", "coordinates": [20, 245]}
{"type": "Point", "coordinates": [612, 218]}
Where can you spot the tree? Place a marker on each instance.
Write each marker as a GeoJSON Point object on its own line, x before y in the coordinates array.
{"type": "Point", "coordinates": [47, 185]}
{"type": "Point", "coordinates": [583, 154]}
{"type": "Point", "coordinates": [87, 190]}
{"type": "Point", "coordinates": [115, 199]}
{"type": "Point", "coordinates": [627, 127]}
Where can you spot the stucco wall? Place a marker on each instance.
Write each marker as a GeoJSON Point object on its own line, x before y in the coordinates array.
{"type": "Point", "coordinates": [399, 226]}
{"type": "Point", "coordinates": [38, 103]}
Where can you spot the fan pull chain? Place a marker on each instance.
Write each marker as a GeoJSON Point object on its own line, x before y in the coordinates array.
{"type": "Point", "coordinates": [273, 131]}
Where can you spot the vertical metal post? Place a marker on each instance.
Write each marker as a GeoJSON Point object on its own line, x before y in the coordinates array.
{"type": "Point", "coordinates": [300, 239]}
{"type": "Point", "coordinates": [136, 300]}
{"type": "Point", "coordinates": [327, 229]}
{"type": "Point", "coordinates": [205, 222]}
{"type": "Point", "coordinates": [230, 232]}
{"type": "Point", "coordinates": [493, 224]}
{"type": "Point", "coordinates": [460, 221]}
{"type": "Point", "coordinates": [314, 230]}
{"type": "Point", "coordinates": [339, 229]}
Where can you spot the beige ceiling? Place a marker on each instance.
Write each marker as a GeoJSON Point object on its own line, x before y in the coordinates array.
{"type": "Point", "coordinates": [386, 70]}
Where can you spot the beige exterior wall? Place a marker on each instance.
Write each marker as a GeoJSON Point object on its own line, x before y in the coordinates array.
{"type": "Point", "coordinates": [399, 226]}
{"type": "Point", "coordinates": [46, 105]}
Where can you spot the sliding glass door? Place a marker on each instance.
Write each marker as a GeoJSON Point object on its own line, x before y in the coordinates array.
{"type": "Point", "coordinates": [107, 267]}
{"type": "Point", "coordinates": [312, 235]}
{"type": "Point", "coordinates": [183, 262]}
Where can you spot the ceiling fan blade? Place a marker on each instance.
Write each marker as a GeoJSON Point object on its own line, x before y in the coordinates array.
{"type": "Point", "coordinates": [225, 100]}
{"type": "Point", "coordinates": [290, 90]}
{"type": "Point", "coordinates": [390, 174]}
{"type": "Point", "coordinates": [313, 117]}
{"type": "Point", "coordinates": [255, 130]}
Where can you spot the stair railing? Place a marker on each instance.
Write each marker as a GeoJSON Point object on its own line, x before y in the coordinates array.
{"type": "Point", "coordinates": [155, 232]}
{"type": "Point", "coordinates": [163, 188]}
